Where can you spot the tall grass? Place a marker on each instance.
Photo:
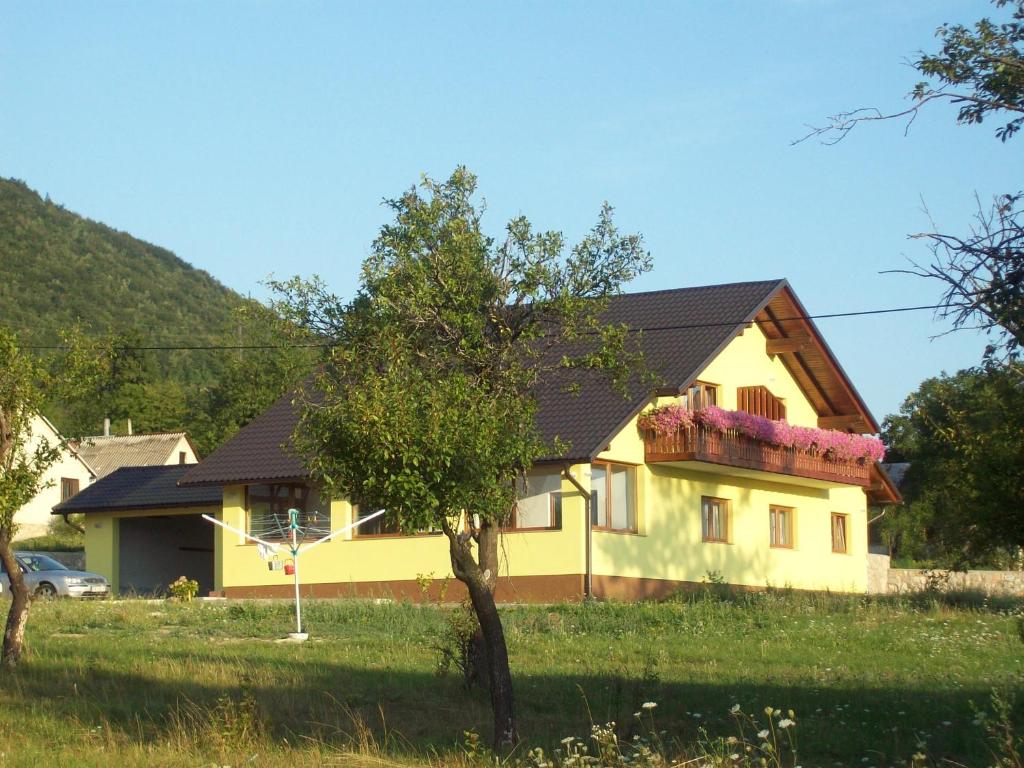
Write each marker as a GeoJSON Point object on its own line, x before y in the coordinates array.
{"type": "Point", "coordinates": [151, 683]}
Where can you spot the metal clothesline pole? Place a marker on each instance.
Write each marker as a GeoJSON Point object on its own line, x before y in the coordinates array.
{"type": "Point", "coordinates": [295, 550]}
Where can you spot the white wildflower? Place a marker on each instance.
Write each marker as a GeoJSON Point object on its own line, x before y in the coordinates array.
{"type": "Point", "coordinates": [648, 705]}
{"type": "Point", "coordinates": [786, 723]}
{"type": "Point", "coordinates": [763, 734]}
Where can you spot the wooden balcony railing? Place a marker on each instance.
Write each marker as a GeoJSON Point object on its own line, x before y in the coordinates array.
{"type": "Point", "coordinates": [730, 448]}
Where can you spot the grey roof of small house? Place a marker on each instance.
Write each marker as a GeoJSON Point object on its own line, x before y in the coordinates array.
{"type": "Point", "coordinates": [153, 487]}
{"type": "Point", "coordinates": [681, 331]}
{"type": "Point", "coordinates": [108, 453]}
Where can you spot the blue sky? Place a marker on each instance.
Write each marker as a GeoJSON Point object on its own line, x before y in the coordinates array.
{"type": "Point", "coordinates": [257, 138]}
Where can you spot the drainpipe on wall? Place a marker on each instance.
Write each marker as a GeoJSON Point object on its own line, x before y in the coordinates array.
{"type": "Point", "coordinates": [588, 576]}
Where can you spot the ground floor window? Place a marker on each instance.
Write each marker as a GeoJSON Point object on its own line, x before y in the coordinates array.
{"type": "Point", "coordinates": [840, 533]}
{"type": "Point", "coordinates": [613, 496]}
{"type": "Point", "coordinates": [780, 526]}
{"type": "Point", "coordinates": [714, 514]}
{"type": "Point", "coordinates": [267, 510]}
{"type": "Point", "coordinates": [387, 524]}
{"type": "Point", "coordinates": [539, 503]}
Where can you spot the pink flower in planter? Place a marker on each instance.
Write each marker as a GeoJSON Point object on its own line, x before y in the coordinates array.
{"type": "Point", "coordinates": [827, 442]}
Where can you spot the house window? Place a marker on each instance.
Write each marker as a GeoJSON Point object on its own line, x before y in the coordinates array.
{"type": "Point", "coordinates": [385, 525]}
{"type": "Point", "coordinates": [840, 531]}
{"type": "Point", "coordinates": [714, 519]}
{"type": "Point", "coordinates": [182, 456]}
{"type": "Point", "coordinates": [700, 395]}
{"type": "Point", "coordinates": [68, 487]}
{"type": "Point", "coordinates": [268, 507]}
{"type": "Point", "coordinates": [613, 496]}
{"type": "Point", "coordinates": [539, 506]}
{"type": "Point", "coordinates": [780, 526]}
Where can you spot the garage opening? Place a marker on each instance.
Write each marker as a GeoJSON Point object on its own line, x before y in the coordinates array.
{"type": "Point", "coordinates": [154, 551]}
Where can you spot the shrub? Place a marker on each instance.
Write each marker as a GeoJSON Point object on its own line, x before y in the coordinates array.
{"type": "Point", "coordinates": [184, 588]}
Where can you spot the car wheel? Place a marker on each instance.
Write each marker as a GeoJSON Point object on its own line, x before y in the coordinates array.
{"type": "Point", "coordinates": [46, 591]}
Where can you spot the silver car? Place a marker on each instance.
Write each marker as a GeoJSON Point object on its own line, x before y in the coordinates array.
{"type": "Point", "coordinates": [46, 577]}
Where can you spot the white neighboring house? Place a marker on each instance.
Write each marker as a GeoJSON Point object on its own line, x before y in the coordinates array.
{"type": "Point", "coordinates": [66, 477]}
{"type": "Point", "coordinates": [106, 453]}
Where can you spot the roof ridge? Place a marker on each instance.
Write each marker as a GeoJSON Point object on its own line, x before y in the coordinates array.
{"type": "Point", "coordinates": [134, 434]}
{"type": "Point", "coordinates": [773, 281]}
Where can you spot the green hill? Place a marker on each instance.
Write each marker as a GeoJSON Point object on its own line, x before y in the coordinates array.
{"type": "Point", "coordinates": [58, 268]}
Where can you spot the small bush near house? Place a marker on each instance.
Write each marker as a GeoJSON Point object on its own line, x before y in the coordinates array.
{"type": "Point", "coordinates": [183, 588]}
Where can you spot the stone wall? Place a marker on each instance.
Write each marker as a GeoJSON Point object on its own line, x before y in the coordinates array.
{"type": "Point", "coordinates": [1009, 583]}
{"type": "Point", "coordinates": [878, 573]}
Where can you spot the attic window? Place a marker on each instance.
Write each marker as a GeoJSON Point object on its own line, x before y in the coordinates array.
{"type": "Point", "coordinates": [181, 457]}
{"type": "Point", "coordinates": [759, 401]}
{"type": "Point", "coordinates": [699, 395]}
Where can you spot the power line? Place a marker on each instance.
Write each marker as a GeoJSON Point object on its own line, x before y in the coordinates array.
{"type": "Point", "coordinates": [642, 329]}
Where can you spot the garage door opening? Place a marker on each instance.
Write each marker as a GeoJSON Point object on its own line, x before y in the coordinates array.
{"type": "Point", "coordinates": [154, 551]}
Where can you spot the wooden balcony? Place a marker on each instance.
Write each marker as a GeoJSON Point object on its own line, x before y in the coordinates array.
{"type": "Point", "coordinates": [729, 448]}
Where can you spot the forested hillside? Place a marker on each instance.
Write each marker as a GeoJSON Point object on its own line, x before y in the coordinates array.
{"type": "Point", "coordinates": [59, 269]}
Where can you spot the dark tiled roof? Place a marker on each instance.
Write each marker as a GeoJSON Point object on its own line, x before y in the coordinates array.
{"type": "Point", "coordinates": [685, 329]}
{"type": "Point", "coordinates": [154, 487]}
{"type": "Point", "coordinates": [255, 453]}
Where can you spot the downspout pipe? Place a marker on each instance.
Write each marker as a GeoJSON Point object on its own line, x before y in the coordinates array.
{"type": "Point", "coordinates": [588, 576]}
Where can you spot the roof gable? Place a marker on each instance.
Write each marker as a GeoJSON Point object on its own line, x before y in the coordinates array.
{"type": "Point", "coordinates": [71, 448]}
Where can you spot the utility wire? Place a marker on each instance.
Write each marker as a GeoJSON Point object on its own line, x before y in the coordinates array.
{"type": "Point", "coordinates": [642, 329]}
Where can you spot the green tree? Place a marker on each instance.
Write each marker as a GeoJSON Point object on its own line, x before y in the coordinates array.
{"type": "Point", "coordinates": [979, 69]}
{"type": "Point", "coordinates": [25, 382]}
{"type": "Point", "coordinates": [426, 405]}
{"type": "Point", "coordinates": [274, 355]}
{"type": "Point", "coordinates": [964, 491]}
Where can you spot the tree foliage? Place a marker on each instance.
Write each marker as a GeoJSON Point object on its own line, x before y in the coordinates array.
{"type": "Point", "coordinates": [426, 406]}
{"type": "Point", "coordinates": [25, 382]}
{"type": "Point", "coordinates": [980, 69]}
{"type": "Point", "coordinates": [964, 490]}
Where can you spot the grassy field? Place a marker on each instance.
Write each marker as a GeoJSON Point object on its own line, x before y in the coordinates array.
{"type": "Point", "coordinates": [151, 683]}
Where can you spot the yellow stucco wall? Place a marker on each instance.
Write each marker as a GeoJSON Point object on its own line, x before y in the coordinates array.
{"type": "Point", "coordinates": [745, 363]}
{"type": "Point", "coordinates": [669, 542]}
{"type": "Point", "coordinates": [349, 559]}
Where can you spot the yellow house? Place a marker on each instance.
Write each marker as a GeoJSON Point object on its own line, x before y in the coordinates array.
{"type": "Point", "coordinates": [627, 510]}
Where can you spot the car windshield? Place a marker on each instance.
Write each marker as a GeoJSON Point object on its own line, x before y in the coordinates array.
{"type": "Point", "coordinates": [40, 563]}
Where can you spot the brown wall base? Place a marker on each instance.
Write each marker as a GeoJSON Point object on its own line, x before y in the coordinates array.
{"type": "Point", "coordinates": [630, 588]}
{"type": "Point", "coordinates": [520, 589]}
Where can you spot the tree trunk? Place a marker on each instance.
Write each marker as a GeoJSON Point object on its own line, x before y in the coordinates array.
{"type": "Point", "coordinates": [480, 579]}
{"type": "Point", "coordinates": [17, 617]}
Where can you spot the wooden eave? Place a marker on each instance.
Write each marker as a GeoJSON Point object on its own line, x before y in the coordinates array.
{"type": "Point", "coordinates": [797, 342]}
{"type": "Point", "coordinates": [882, 490]}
